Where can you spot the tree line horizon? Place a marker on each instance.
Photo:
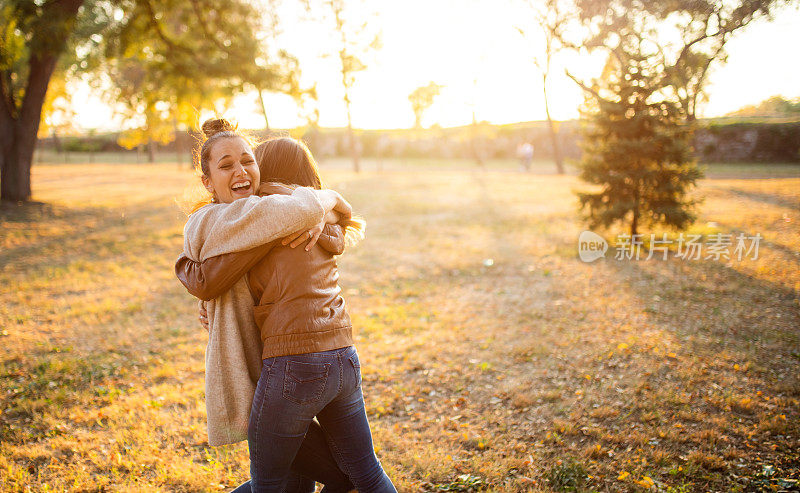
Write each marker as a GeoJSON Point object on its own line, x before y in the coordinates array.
{"type": "Point", "coordinates": [756, 138]}
{"type": "Point", "coordinates": [163, 59]}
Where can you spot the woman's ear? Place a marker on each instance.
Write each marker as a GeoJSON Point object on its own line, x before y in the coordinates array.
{"type": "Point", "coordinates": [207, 183]}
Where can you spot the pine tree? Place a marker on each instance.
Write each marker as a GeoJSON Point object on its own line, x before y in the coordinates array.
{"type": "Point", "coordinates": [636, 148]}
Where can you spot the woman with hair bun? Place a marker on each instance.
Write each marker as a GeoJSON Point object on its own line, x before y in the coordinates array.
{"type": "Point", "coordinates": [310, 365]}
{"type": "Point", "coordinates": [233, 219]}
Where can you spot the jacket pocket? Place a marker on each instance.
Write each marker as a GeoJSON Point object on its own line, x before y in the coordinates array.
{"type": "Point", "coordinates": [304, 383]}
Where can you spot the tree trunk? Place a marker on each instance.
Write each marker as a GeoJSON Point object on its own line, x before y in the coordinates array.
{"type": "Point", "coordinates": [15, 178]}
{"type": "Point", "coordinates": [264, 111]}
{"type": "Point", "coordinates": [553, 135]}
{"type": "Point", "coordinates": [19, 131]}
{"type": "Point", "coordinates": [151, 151]}
{"type": "Point", "coordinates": [56, 142]}
{"type": "Point", "coordinates": [351, 137]}
{"type": "Point", "coordinates": [353, 149]}
{"type": "Point", "coordinates": [474, 143]}
{"type": "Point", "coordinates": [177, 137]}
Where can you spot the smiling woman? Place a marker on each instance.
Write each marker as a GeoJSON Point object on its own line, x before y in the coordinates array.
{"type": "Point", "coordinates": [237, 221]}
{"type": "Point", "coordinates": [228, 166]}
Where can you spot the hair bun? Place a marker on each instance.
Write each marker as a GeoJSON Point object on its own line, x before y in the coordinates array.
{"type": "Point", "coordinates": [214, 126]}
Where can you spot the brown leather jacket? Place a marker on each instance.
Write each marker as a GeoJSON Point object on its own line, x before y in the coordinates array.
{"type": "Point", "coordinates": [297, 299]}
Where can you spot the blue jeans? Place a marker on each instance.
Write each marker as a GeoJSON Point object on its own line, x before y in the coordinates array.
{"type": "Point", "coordinates": [313, 463]}
{"type": "Point", "coordinates": [290, 392]}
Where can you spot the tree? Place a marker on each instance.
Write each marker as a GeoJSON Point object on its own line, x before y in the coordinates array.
{"type": "Point", "coordinates": [57, 111]}
{"type": "Point", "coordinates": [355, 41]}
{"type": "Point", "coordinates": [187, 64]}
{"type": "Point", "coordinates": [773, 106]}
{"type": "Point", "coordinates": [551, 20]}
{"type": "Point", "coordinates": [421, 99]}
{"type": "Point", "coordinates": [184, 45]}
{"type": "Point", "coordinates": [642, 109]}
{"type": "Point", "coordinates": [685, 36]}
{"type": "Point", "coordinates": [33, 37]}
{"type": "Point", "coordinates": [276, 70]}
{"type": "Point", "coordinates": [636, 146]}
{"type": "Point", "coordinates": [135, 89]}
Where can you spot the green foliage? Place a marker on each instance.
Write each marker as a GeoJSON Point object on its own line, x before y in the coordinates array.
{"type": "Point", "coordinates": [33, 29]}
{"type": "Point", "coordinates": [464, 482]}
{"type": "Point", "coordinates": [92, 144]}
{"type": "Point", "coordinates": [169, 59]}
{"type": "Point", "coordinates": [636, 147]}
{"type": "Point", "coordinates": [774, 106]}
{"type": "Point", "coordinates": [684, 36]}
{"type": "Point", "coordinates": [568, 475]}
{"type": "Point", "coordinates": [749, 141]}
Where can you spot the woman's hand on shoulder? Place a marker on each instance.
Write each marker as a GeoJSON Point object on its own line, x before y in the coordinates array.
{"type": "Point", "coordinates": [311, 236]}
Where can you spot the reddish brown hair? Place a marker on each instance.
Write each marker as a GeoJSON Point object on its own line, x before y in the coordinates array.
{"type": "Point", "coordinates": [289, 161]}
{"type": "Point", "coordinates": [214, 129]}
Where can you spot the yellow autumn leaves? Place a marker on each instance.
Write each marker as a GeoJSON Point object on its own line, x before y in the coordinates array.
{"type": "Point", "coordinates": [623, 346]}
{"type": "Point", "coordinates": [645, 482]}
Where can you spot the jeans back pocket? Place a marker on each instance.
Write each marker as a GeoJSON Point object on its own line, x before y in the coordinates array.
{"type": "Point", "coordinates": [356, 364]}
{"type": "Point", "coordinates": [304, 383]}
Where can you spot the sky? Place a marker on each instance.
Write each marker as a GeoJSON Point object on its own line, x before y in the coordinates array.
{"type": "Point", "coordinates": [473, 49]}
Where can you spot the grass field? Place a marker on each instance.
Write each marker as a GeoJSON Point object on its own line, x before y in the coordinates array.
{"type": "Point", "coordinates": [493, 358]}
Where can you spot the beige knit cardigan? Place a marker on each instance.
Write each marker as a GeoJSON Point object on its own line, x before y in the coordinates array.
{"type": "Point", "coordinates": [233, 354]}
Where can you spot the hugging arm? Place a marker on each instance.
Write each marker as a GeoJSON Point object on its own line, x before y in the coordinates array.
{"type": "Point", "coordinates": [332, 239]}
{"type": "Point", "coordinates": [215, 275]}
{"type": "Point", "coordinates": [247, 223]}
{"type": "Point", "coordinates": [328, 234]}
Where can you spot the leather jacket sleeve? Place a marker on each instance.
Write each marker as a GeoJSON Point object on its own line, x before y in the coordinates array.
{"type": "Point", "coordinates": [332, 239]}
{"type": "Point", "coordinates": [215, 275]}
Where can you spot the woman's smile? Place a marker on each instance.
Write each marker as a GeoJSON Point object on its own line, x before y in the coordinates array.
{"type": "Point", "coordinates": [242, 188]}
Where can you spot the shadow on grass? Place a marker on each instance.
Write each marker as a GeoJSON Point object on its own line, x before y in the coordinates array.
{"type": "Point", "coordinates": [708, 298]}
{"type": "Point", "coordinates": [766, 198]}
{"type": "Point", "coordinates": [40, 384]}
{"type": "Point", "coordinates": [85, 231]}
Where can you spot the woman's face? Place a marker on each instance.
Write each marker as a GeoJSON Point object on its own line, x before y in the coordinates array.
{"type": "Point", "coordinates": [232, 170]}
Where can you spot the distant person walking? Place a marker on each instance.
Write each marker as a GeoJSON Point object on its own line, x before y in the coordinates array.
{"type": "Point", "coordinates": [525, 155]}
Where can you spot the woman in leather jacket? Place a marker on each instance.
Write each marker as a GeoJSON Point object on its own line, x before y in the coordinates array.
{"type": "Point", "coordinates": [310, 366]}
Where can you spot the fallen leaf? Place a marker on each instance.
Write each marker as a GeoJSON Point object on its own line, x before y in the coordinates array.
{"type": "Point", "coordinates": [646, 482]}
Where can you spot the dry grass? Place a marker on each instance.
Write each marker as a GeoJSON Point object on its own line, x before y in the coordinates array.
{"type": "Point", "coordinates": [524, 373]}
